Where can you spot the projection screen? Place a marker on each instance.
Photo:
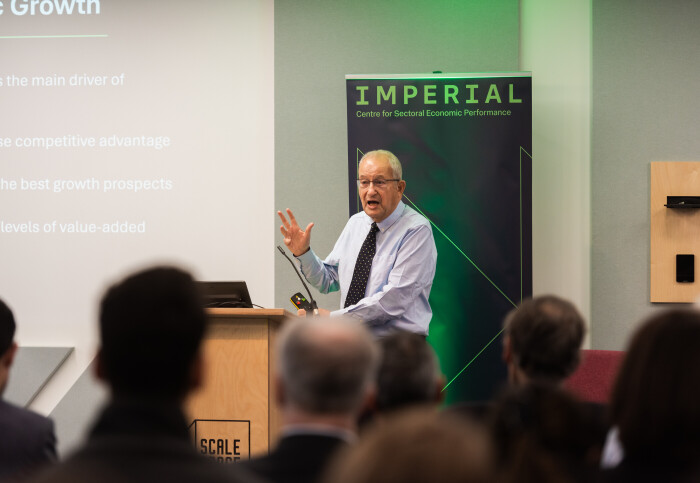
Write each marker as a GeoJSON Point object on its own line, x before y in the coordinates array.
{"type": "Point", "coordinates": [131, 133]}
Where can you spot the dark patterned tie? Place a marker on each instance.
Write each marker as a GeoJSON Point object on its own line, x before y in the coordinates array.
{"type": "Point", "coordinates": [358, 285]}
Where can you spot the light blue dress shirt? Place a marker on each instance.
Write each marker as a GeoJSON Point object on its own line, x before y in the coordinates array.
{"type": "Point", "coordinates": [402, 271]}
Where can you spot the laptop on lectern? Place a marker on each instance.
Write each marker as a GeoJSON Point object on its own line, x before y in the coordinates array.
{"type": "Point", "coordinates": [225, 295]}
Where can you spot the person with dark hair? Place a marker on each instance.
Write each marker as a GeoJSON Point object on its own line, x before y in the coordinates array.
{"type": "Point", "coordinates": [325, 377]}
{"type": "Point", "coordinates": [151, 328]}
{"type": "Point", "coordinates": [655, 403]}
{"type": "Point", "coordinates": [542, 340]}
{"type": "Point", "coordinates": [27, 440]}
{"type": "Point", "coordinates": [409, 373]}
{"type": "Point", "coordinates": [543, 435]}
{"type": "Point", "coordinates": [542, 345]}
{"type": "Point", "coordinates": [415, 446]}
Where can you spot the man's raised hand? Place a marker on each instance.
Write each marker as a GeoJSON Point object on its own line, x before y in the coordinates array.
{"type": "Point", "coordinates": [297, 240]}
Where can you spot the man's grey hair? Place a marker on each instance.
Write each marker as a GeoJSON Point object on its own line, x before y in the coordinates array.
{"type": "Point", "coordinates": [327, 365]}
{"type": "Point", "coordinates": [389, 156]}
{"type": "Point", "coordinates": [409, 373]}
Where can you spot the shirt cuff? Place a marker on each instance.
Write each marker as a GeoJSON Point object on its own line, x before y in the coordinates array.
{"type": "Point", "coordinates": [306, 258]}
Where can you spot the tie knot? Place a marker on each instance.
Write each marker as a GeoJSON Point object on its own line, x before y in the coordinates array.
{"type": "Point", "coordinates": [374, 228]}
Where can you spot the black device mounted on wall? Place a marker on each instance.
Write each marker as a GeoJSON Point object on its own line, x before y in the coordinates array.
{"type": "Point", "coordinates": [683, 202]}
{"type": "Point", "coordinates": [685, 268]}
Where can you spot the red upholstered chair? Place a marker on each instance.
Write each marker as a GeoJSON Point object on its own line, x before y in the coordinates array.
{"type": "Point", "coordinates": [595, 376]}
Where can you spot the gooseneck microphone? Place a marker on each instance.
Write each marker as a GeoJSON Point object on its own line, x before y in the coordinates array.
{"type": "Point", "coordinates": [311, 298]}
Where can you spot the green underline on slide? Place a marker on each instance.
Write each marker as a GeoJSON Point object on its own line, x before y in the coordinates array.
{"type": "Point", "coordinates": [53, 36]}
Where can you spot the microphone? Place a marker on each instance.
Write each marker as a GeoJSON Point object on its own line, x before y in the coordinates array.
{"type": "Point", "coordinates": [311, 298]}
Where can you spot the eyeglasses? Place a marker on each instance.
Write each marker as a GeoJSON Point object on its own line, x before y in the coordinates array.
{"type": "Point", "coordinates": [379, 184]}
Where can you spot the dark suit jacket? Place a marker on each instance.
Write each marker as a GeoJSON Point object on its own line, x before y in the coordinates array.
{"type": "Point", "coordinates": [27, 441]}
{"type": "Point", "coordinates": [653, 468]}
{"type": "Point", "coordinates": [138, 441]}
{"type": "Point", "coordinates": [298, 458]}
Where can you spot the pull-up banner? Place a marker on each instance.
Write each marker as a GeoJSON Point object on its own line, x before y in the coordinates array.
{"type": "Point", "coordinates": [464, 141]}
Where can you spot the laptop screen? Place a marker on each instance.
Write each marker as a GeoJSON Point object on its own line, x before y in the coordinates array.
{"type": "Point", "coordinates": [225, 294]}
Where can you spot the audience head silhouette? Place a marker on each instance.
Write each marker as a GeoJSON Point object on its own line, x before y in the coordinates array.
{"type": "Point", "coordinates": [27, 440]}
{"type": "Point", "coordinates": [542, 340]}
{"type": "Point", "coordinates": [7, 343]}
{"type": "Point", "coordinates": [325, 374]}
{"type": "Point", "coordinates": [656, 401]}
{"type": "Point", "coordinates": [151, 327]}
{"type": "Point", "coordinates": [7, 327]}
{"type": "Point", "coordinates": [409, 373]}
{"type": "Point", "coordinates": [326, 366]}
{"type": "Point", "coordinates": [543, 435]}
{"type": "Point", "coordinates": [417, 445]}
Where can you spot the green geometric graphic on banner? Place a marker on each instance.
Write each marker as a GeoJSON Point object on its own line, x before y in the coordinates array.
{"type": "Point", "coordinates": [417, 208]}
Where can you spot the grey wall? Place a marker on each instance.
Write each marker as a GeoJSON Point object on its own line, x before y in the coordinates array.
{"type": "Point", "coordinates": [318, 42]}
{"type": "Point", "coordinates": [646, 66]}
{"type": "Point", "coordinates": [77, 411]}
{"type": "Point", "coordinates": [32, 368]}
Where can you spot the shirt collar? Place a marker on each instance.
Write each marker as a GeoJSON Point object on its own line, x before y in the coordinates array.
{"type": "Point", "coordinates": [389, 220]}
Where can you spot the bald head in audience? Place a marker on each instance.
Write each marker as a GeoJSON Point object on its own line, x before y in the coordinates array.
{"type": "Point", "coordinates": [325, 378]}
{"type": "Point", "coordinates": [326, 370]}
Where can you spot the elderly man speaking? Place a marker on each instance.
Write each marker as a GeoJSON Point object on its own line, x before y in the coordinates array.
{"type": "Point", "coordinates": [384, 261]}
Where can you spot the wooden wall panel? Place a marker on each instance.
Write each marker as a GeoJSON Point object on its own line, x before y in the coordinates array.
{"type": "Point", "coordinates": [673, 231]}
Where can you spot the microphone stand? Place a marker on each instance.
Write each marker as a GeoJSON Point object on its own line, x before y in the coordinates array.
{"type": "Point", "coordinates": [313, 302]}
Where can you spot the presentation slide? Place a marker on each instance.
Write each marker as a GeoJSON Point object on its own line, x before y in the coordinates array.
{"type": "Point", "coordinates": [131, 133]}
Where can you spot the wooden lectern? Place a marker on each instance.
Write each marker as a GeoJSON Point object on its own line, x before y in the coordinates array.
{"type": "Point", "coordinates": [233, 416]}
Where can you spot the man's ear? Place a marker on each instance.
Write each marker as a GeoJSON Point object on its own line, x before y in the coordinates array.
{"type": "Point", "coordinates": [507, 350]}
{"type": "Point", "coordinates": [369, 403]}
{"type": "Point", "coordinates": [402, 186]}
{"type": "Point", "coordinates": [9, 356]}
{"type": "Point", "coordinates": [439, 393]}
